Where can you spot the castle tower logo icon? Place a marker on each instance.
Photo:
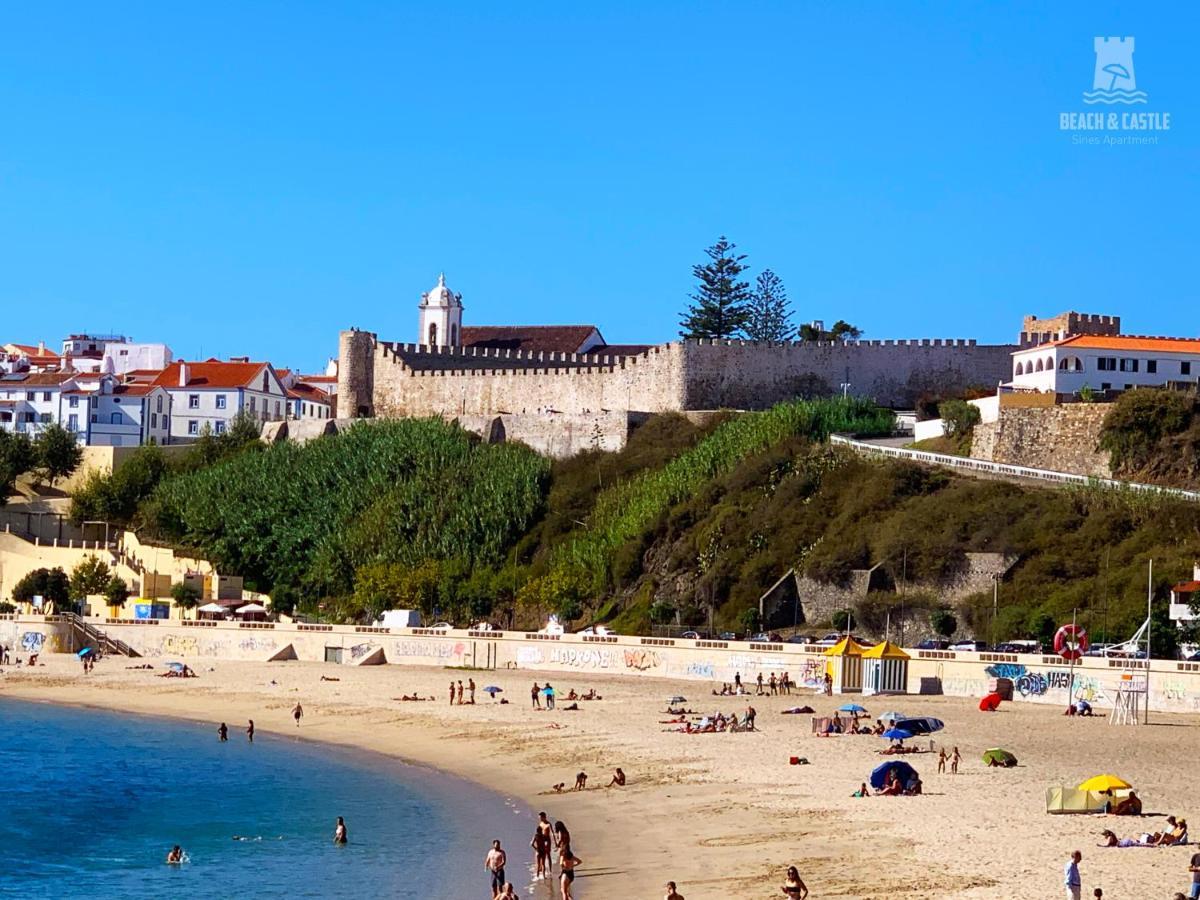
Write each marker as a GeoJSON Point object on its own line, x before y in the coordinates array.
{"type": "Point", "coordinates": [1114, 80]}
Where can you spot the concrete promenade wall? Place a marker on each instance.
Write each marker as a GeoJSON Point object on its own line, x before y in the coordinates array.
{"type": "Point", "coordinates": [1174, 686]}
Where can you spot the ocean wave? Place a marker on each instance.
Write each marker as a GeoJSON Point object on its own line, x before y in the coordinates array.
{"type": "Point", "coordinates": [1117, 96]}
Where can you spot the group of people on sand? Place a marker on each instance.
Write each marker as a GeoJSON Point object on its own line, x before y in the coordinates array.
{"type": "Point", "coordinates": [618, 780]}
{"type": "Point", "coordinates": [713, 724]}
{"type": "Point", "coordinates": [954, 758]}
{"type": "Point", "coordinates": [894, 787]}
{"type": "Point", "coordinates": [1177, 833]}
{"type": "Point", "coordinates": [546, 839]}
{"type": "Point", "coordinates": [456, 692]}
{"type": "Point", "coordinates": [792, 887]}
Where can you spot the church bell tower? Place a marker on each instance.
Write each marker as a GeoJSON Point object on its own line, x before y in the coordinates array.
{"type": "Point", "coordinates": [440, 319]}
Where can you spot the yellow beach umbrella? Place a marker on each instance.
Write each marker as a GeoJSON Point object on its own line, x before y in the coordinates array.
{"type": "Point", "coordinates": [1104, 783]}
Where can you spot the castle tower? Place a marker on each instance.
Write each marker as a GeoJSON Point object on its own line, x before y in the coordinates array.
{"type": "Point", "coordinates": [440, 319]}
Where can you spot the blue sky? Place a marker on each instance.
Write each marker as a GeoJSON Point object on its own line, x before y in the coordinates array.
{"type": "Point", "coordinates": [251, 178]}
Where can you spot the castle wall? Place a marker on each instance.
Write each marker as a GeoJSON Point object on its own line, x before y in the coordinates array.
{"type": "Point", "coordinates": [745, 375]}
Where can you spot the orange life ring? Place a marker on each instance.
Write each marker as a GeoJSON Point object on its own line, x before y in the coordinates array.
{"type": "Point", "coordinates": [1071, 642]}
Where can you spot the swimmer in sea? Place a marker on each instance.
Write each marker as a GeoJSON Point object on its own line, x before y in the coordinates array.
{"type": "Point", "coordinates": [339, 832]}
{"type": "Point", "coordinates": [175, 857]}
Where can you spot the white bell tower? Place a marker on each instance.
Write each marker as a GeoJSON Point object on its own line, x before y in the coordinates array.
{"type": "Point", "coordinates": [440, 320]}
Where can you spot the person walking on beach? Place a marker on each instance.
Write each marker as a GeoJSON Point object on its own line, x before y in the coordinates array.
{"type": "Point", "coordinates": [955, 759]}
{"type": "Point", "coordinates": [1071, 876]}
{"type": "Point", "coordinates": [541, 852]}
{"type": "Point", "coordinates": [941, 760]}
{"type": "Point", "coordinates": [549, 692]}
{"type": "Point", "coordinates": [223, 733]}
{"type": "Point", "coordinates": [250, 731]}
{"type": "Point", "coordinates": [737, 682]}
{"type": "Point", "coordinates": [567, 861]}
{"type": "Point", "coordinates": [460, 692]}
{"type": "Point", "coordinates": [471, 690]}
{"type": "Point", "coordinates": [297, 712]}
{"type": "Point", "coordinates": [828, 685]}
{"type": "Point", "coordinates": [339, 831]}
{"type": "Point", "coordinates": [794, 888]}
{"type": "Point", "coordinates": [546, 832]}
{"type": "Point", "coordinates": [671, 892]}
{"type": "Point", "coordinates": [494, 863]}
{"type": "Point", "coordinates": [534, 693]}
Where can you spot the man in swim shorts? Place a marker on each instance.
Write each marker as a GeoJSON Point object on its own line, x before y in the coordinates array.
{"type": "Point", "coordinates": [494, 863]}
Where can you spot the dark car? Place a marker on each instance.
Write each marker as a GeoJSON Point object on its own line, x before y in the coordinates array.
{"type": "Point", "coordinates": [974, 646]}
{"type": "Point", "coordinates": [933, 644]}
{"type": "Point", "coordinates": [729, 635]}
{"type": "Point", "coordinates": [801, 639]}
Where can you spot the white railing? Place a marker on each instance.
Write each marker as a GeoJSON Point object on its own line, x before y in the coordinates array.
{"type": "Point", "coordinates": [968, 464]}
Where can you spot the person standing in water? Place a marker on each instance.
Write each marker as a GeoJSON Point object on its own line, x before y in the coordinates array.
{"type": "Point", "coordinates": [542, 844]}
{"type": "Point", "coordinates": [223, 733]}
{"type": "Point", "coordinates": [297, 712]}
{"type": "Point", "coordinates": [175, 856]}
{"type": "Point", "coordinates": [339, 831]}
{"type": "Point", "coordinates": [250, 731]}
{"type": "Point", "coordinates": [494, 863]}
{"type": "Point", "coordinates": [567, 861]}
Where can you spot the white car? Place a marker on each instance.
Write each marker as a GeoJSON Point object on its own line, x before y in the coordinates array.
{"type": "Point", "coordinates": [440, 626]}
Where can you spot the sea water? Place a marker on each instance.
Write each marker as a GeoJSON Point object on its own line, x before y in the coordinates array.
{"type": "Point", "coordinates": [91, 801]}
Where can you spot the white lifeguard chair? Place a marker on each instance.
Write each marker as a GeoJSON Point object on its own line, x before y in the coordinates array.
{"type": "Point", "coordinates": [1127, 706]}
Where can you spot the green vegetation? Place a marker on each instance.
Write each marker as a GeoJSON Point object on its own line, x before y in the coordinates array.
{"type": "Point", "coordinates": [90, 576]}
{"type": "Point", "coordinates": [58, 452]}
{"type": "Point", "coordinates": [50, 584]}
{"type": "Point", "coordinates": [17, 456]}
{"type": "Point", "coordinates": [185, 594]}
{"type": "Point", "coordinates": [1154, 435]}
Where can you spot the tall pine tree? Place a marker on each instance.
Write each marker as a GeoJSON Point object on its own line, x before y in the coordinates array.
{"type": "Point", "coordinates": [769, 313]}
{"type": "Point", "coordinates": [719, 305]}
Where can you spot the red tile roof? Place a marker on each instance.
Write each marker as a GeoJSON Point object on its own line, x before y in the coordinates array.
{"type": "Point", "coordinates": [319, 379]}
{"type": "Point", "coordinates": [529, 338]}
{"type": "Point", "coordinates": [134, 390]}
{"type": "Point", "coordinates": [45, 379]}
{"type": "Point", "coordinates": [309, 392]}
{"type": "Point", "coordinates": [212, 375]}
{"type": "Point", "coordinates": [1127, 342]}
{"type": "Point", "coordinates": [32, 350]}
{"type": "Point", "coordinates": [1188, 587]}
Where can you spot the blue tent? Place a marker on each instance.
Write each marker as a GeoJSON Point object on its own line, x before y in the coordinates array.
{"type": "Point", "coordinates": [921, 725]}
{"type": "Point", "coordinates": [897, 734]}
{"type": "Point", "coordinates": [904, 772]}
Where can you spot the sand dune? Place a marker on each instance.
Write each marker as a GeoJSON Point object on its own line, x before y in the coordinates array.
{"type": "Point", "coordinates": [722, 814]}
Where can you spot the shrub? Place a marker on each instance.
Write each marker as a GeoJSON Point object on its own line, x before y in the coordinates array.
{"type": "Point", "coordinates": [943, 623]}
{"type": "Point", "coordinates": [959, 417]}
{"type": "Point", "coordinates": [1139, 420]}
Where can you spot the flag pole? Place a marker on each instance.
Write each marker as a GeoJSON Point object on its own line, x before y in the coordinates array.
{"type": "Point", "coordinates": [1149, 613]}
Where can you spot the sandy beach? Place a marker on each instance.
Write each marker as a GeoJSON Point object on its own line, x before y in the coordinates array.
{"type": "Point", "coordinates": [721, 814]}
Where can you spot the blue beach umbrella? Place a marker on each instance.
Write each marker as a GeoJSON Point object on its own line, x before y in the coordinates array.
{"type": "Point", "coordinates": [175, 666]}
{"type": "Point", "coordinates": [897, 734]}
{"type": "Point", "coordinates": [892, 716]}
{"type": "Point", "coordinates": [852, 708]}
{"type": "Point", "coordinates": [904, 772]}
{"type": "Point", "coordinates": [493, 690]}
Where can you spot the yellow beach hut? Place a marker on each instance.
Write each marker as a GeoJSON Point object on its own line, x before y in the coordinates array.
{"type": "Point", "coordinates": [844, 665]}
{"type": "Point", "coordinates": [885, 670]}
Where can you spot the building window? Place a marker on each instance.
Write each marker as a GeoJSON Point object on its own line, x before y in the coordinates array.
{"type": "Point", "coordinates": [31, 395]}
{"type": "Point", "coordinates": [44, 418]}
{"type": "Point", "coordinates": [1185, 368]}
{"type": "Point", "coordinates": [45, 396]}
{"type": "Point", "coordinates": [115, 418]}
{"type": "Point", "coordinates": [73, 403]}
{"type": "Point", "coordinates": [95, 418]}
{"type": "Point", "coordinates": [1152, 367]}
{"type": "Point", "coordinates": [153, 420]}
{"type": "Point", "coordinates": [193, 426]}
{"type": "Point", "coordinates": [277, 409]}
{"type": "Point", "coordinates": [73, 422]}
{"type": "Point", "coordinates": [123, 353]}
{"type": "Point", "coordinates": [220, 428]}
{"type": "Point", "coordinates": [159, 402]}
{"type": "Point", "coordinates": [1129, 365]}
{"type": "Point", "coordinates": [1106, 364]}
{"type": "Point", "coordinates": [220, 401]}
{"type": "Point", "coordinates": [253, 400]}
{"type": "Point", "coordinates": [266, 383]}
{"type": "Point", "coordinates": [193, 401]}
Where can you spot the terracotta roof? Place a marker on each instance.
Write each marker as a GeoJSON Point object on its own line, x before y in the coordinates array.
{"type": "Point", "coordinates": [46, 379]}
{"type": "Point", "coordinates": [210, 374]}
{"type": "Point", "coordinates": [135, 390]}
{"type": "Point", "coordinates": [1126, 342]}
{"type": "Point", "coordinates": [1188, 587]}
{"type": "Point", "coordinates": [310, 392]}
{"type": "Point", "coordinates": [283, 373]}
{"type": "Point", "coordinates": [530, 338]}
{"type": "Point", "coordinates": [319, 379]}
{"type": "Point", "coordinates": [32, 350]}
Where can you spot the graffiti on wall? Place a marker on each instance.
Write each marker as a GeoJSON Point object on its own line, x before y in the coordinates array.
{"type": "Point", "coordinates": [33, 641]}
{"type": "Point", "coordinates": [642, 659]}
{"type": "Point", "coordinates": [700, 670]}
{"type": "Point", "coordinates": [358, 651]}
{"type": "Point", "coordinates": [179, 645]}
{"type": "Point", "coordinates": [253, 643]}
{"type": "Point", "coordinates": [811, 674]}
{"type": "Point", "coordinates": [434, 649]}
{"type": "Point", "coordinates": [743, 662]}
{"type": "Point", "coordinates": [529, 656]}
{"type": "Point", "coordinates": [1011, 671]}
{"type": "Point", "coordinates": [583, 657]}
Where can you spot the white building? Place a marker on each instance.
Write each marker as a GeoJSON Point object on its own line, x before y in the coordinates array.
{"type": "Point", "coordinates": [213, 392]}
{"type": "Point", "coordinates": [98, 410]}
{"type": "Point", "coordinates": [306, 401]}
{"type": "Point", "coordinates": [440, 317]}
{"type": "Point", "coordinates": [1106, 362]}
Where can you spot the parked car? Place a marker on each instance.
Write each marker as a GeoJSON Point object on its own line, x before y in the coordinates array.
{"type": "Point", "coordinates": [729, 636]}
{"type": "Point", "coordinates": [801, 639]}
{"type": "Point", "coordinates": [933, 644]}
{"type": "Point", "coordinates": [440, 626]}
{"type": "Point", "coordinates": [973, 646]}
{"type": "Point", "coordinates": [1019, 647]}
{"type": "Point", "coordinates": [597, 629]}
{"type": "Point", "coordinates": [766, 637]}
{"type": "Point", "coordinates": [691, 635]}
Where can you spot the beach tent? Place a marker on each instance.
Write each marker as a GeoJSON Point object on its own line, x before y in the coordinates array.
{"type": "Point", "coordinates": [990, 703]}
{"type": "Point", "coordinates": [920, 724]}
{"type": "Point", "coordinates": [885, 670]}
{"type": "Point", "coordinates": [211, 611]}
{"type": "Point", "coordinates": [844, 664]}
{"type": "Point", "coordinates": [904, 772]}
{"type": "Point", "coordinates": [1066, 800]}
{"type": "Point", "coordinates": [1000, 757]}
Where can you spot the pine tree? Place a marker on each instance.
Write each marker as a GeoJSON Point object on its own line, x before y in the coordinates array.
{"type": "Point", "coordinates": [719, 307]}
{"type": "Point", "coordinates": [769, 313]}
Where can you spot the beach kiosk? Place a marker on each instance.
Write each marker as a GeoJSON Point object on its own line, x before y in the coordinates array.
{"type": "Point", "coordinates": [885, 670]}
{"type": "Point", "coordinates": [844, 664]}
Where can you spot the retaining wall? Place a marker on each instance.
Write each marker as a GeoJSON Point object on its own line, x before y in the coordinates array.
{"type": "Point", "coordinates": [1174, 686]}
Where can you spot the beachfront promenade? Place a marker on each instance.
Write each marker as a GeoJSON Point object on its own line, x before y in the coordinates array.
{"type": "Point", "coordinates": [1174, 686]}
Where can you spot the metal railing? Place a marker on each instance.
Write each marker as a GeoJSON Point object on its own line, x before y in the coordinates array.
{"type": "Point", "coordinates": [90, 634]}
{"type": "Point", "coordinates": [964, 463]}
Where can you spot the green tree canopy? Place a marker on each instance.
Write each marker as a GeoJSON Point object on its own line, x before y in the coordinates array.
{"type": "Point", "coordinates": [185, 594]}
{"type": "Point", "coordinates": [719, 305]}
{"type": "Point", "coordinates": [943, 623]}
{"type": "Point", "coordinates": [90, 576]}
{"type": "Point", "coordinates": [58, 452]}
{"type": "Point", "coordinates": [769, 314]}
{"type": "Point", "coordinates": [51, 584]}
{"type": "Point", "coordinates": [959, 417]}
{"type": "Point", "coordinates": [17, 456]}
{"type": "Point", "coordinates": [116, 592]}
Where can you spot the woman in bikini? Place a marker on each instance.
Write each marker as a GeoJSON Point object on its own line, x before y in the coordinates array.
{"type": "Point", "coordinates": [567, 861]}
{"type": "Point", "coordinates": [794, 887]}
